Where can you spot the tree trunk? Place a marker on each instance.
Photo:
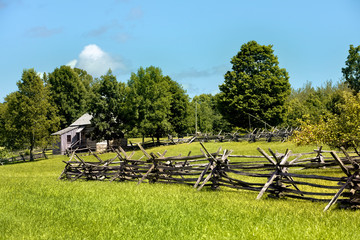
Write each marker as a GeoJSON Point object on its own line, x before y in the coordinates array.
{"type": "Point", "coordinates": [43, 151]}
{"type": "Point", "coordinates": [31, 153]}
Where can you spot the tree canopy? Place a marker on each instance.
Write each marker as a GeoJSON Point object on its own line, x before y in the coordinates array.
{"type": "Point", "coordinates": [256, 86]}
{"type": "Point", "coordinates": [156, 102]}
{"type": "Point", "coordinates": [107, 107]}
{"type": "Point", "coordinates": [70, 91]}
{"type": "Point", "coordinates": [28, 115]}
{"type": "Point", "coordinates": [352, 70]}
{"type": "Point", "coordinates": [206, 116]}
{"type": "Point", "coordinates": [312, 104]}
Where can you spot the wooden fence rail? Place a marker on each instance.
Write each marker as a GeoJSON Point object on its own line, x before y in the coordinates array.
{"type": "Point", "coordinates": [21, 158]}
{"type": "Point", "coordinates": [277, 174]}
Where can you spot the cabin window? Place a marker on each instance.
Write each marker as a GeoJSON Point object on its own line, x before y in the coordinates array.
{"type": "Point", "coordinates": [68, 138]}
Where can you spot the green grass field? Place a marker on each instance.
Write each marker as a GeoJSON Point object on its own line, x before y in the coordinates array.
{"type": "Point", "coordinates": [35, 205]}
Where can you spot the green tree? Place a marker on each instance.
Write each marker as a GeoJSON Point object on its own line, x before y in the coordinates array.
{"type": "Point", "coordinates": [179, 107]}
{"type": "Point", "coordinates": [28, 115]}
{"type": "Point", "coordinates": [352, 70]}
{"type": "Point", "coordinates": [70, 91]}
{"type": "Point", "coordinates": [342, 128]}
{"type": "Point", "coordinates": [256, 85]}
{"type": "Point", "coordinates": [208, 119]}
{"type": "Point", "coordinates": [2, 123]}
{"type": "Point", "coordinates": [339, 128]}
{"type": "Point", "coordinates": [107, 107]}
{"type": "Point", "coordinates": [310, 104]}
{"type": "Point", "coordinates": [151, 102]}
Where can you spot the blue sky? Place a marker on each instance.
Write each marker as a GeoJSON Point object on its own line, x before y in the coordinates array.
{"type": "Point", "coordinates": [191, 41]}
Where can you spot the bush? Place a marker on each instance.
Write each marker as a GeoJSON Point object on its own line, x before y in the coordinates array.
{"type": "Point", "coordinates": [309, 133]}
{"type": "Point", "coordinates": [336, 130]}
{"type": "Point", "coordinates": [4, 153]}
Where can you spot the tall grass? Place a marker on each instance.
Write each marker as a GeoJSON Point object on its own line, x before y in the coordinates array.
{"type": "Point", "coordinates": [35, 205]}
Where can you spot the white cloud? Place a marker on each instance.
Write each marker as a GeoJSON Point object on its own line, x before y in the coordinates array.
{"type": "Point", "coordinates": [72, 63]}
{"type": "Point", "coordinates": [95, 61]}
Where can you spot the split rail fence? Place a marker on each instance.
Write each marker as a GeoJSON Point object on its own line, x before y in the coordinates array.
{"type": "Point", "coordinates": [21, 158]}
{"type": "Point", "coordinates": [321, 175]}
{"type": "Point", "coordinates": [273, 135]}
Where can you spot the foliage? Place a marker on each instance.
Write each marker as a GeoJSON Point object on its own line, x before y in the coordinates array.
{"type": "Point", "coordinates": [256, 85]}
{"type": "Point", "coordinates": [70, 91]}
{"type": "Point", "coordinates": [107, 107]}
{"type": "Point", "coordinates": [156, 101]}
{"type": "Point", "coordinates": [343, 129]}
{"type": "Point", "coordinates": [209, 119]}
{"type": "Point", "coordinates": [310, 104]}
{"type": "Point", "coordinates": [28, 115]}
{"type": "Point", "coordinates": [179, 107]}
{"type": "Point", "coordinates": [340, 129]}
{"type": "Point", "coordinates": [4, 153]}
{"type": "Point", "coordinates": [310, 133]}
{"type": "Point", "coordinates": [2, 124]}
{"type": "Point", "coordinates": [352, 70]}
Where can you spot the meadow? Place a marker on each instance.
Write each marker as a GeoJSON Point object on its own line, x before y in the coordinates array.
{"type": "Point", "coordinates": [35, 205]}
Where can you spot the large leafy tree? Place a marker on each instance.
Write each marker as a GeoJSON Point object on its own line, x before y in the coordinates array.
{"type": "Point", "coordinates": [311, 104]}
{"type": "Point", "coordinates": [2, 123]}
{"type": "Point", "coordinates": [108, 108]}
{"type": "Point", "coordinates": [352, 70]}
{"type": "Point", "coordinates": [179, 107]}
{"type": "Point", "coordinates": [255, 87]}
{"type": "Point", "coordinates": [28, 115]}
{"type": "Point", "coordinates": [70, 91]}
{"type": "Point", "coordinates": [205, 115]}
{"type": "Point", "coordinates": [150, 99]}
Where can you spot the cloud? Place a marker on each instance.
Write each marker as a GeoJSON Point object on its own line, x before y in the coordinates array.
{"type": "Point", "coordinates": [98, 31]}
{"type": "Point", "coordinates": [96, 62]}
{"type": "Point", "coordinates": [136, 13]}
{"type": "Point", "coordinates": [101, 30]}
{"type": "Point", "coordinates": [72, 63]}
{"type": "Point", "coordinates": [122, 37]}
{"type": "Point", "coordinates": [42, 32]}
{"type": "Point", "coordinates": [195, 73]}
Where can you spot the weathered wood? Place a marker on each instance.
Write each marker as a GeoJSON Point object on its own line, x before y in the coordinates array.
{"type": "Point", "coordinates": [341, 164]}
{"type": "Point", "coordinates": [215, 173]}
{"type": "Point", "coordinates": [337, 195]}
{"type": "Point", "coordinates": [267, 184]}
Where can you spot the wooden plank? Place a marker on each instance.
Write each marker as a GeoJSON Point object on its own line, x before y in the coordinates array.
{"type": "Point", "coordinates": [147, 173]}
{"type": "Point", "coordinates": [341, 164]}
{"type": "Point", "coordinates": [202, 175]}
{"type": "Point", "coordinates": [337, 195]}
{"type": "Point", "coordinates": [208, 177]}
{"type": "Point", "coordinates": [143, 150]}
{"type": "Point", "coordinates": [266, 156]}
{"type": "Point", "coordinates": [349, 158]}
{"type": "Point", "coordinates": [267, 184]}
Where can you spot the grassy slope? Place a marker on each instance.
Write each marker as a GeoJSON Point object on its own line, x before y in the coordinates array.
{"type": "Point", "coordinates": [34, 205]}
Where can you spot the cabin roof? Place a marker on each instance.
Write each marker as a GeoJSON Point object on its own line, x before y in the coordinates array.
{"type": "Point", "coordinates": [80, 123]}
{"type": "Point", "coordinates": [65, 130]}
{"type": "Point", "coordinates": [83, 120]}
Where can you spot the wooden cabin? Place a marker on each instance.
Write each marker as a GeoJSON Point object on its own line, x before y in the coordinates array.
{"type": "Point", "coordinates": [77, 136]}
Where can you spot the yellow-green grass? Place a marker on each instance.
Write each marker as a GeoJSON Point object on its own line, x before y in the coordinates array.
{"type": "Point", "coordinates": [35, 205]}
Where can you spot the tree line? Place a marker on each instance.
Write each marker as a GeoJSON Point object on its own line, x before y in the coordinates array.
{"type": "Point", "coordinates": [256, 93]}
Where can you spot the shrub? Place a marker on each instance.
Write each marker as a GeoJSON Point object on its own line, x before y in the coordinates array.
{"type": "Point", "coordinates": [336, 130]}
